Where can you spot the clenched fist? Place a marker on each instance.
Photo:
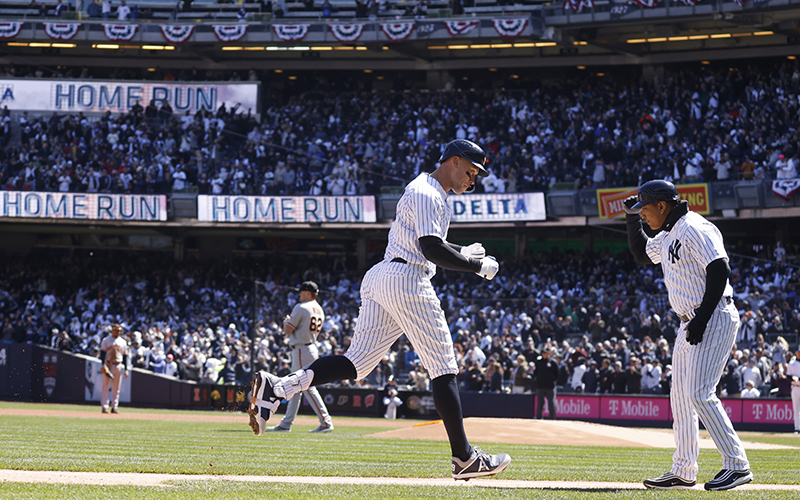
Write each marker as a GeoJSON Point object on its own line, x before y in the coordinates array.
{"type": "Point", "coordinates": [489, 267]}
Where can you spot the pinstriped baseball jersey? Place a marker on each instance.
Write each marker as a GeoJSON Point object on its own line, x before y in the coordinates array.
{"type": "Point", "coordinates": [421, 211]}
{"type": "Point", "coordinates": [306, 319]}
{"type": "Point", "coordinates": [684, 252]}
{"type": "Point", "coordinates": [398, 298]}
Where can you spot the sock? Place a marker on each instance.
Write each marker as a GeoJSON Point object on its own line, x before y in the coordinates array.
{"type": "Point", "coordinates": [321, 371]}
{"type": "Point", "coordinates": [448, 404]}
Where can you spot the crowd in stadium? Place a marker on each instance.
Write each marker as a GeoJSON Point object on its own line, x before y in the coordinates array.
{"type": "Point", "coordinates": [599, 313]}
{"type": "Point", "coordinates": [724, 124]}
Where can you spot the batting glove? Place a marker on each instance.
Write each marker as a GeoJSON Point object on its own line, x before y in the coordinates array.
{"type": "Point", "coordinates": [628, 204]}
{"type": "Point", "coordinates": [489, 267]}
{"type": "Point", "coordinates": [695, 330]}
{"type": "Point", "coordinates": [474, 251]}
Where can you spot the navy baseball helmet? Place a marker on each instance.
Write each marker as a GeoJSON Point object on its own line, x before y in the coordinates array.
{"type": "Point", "coordinates": [309, 286]}
{"type": "Point", "coordinates": [467, 150]}
{"type": "Point", "coordinates": [656, 190]}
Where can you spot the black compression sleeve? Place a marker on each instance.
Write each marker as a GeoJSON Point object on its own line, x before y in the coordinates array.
{"type": "Point", "coordinates": [102, 356]}
{"type": "Point", "coordinates": [716, 278]}
{"type": "Point", "coordinates": [444, 256]}
{"type": "Point", "coordinates": [637, 240]}
{"type": "Point", "coordinates": [455, 247]}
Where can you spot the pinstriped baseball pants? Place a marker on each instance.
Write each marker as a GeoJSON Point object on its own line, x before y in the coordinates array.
{"type": "Point", "coordinates": [696, 370]}
{"type": "Point", "coordinates": [302, 357]}
{"type": "Point", "coordinates": [398, 299]}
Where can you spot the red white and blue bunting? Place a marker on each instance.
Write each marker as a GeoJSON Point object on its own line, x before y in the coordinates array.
{"type": "Point", "coordinates": [347, 32]}
{"type": "Point", "coordinates": [578, 5]}
{"type": "Point", "coordinates": [9, 30]}
{"type": "Point", "coordinates": [509, 28]}
{"type": "Point", "coordinates": [120, 32]}
{"type": "Point", "coordinates": [229, 32]}
{"type": "Point", "coordinates": [61, 31]}
{"type": "Point", "coordinates": [690, 2]}
{"type": "Point", "coordinates": [460, 27]}
{"type": "Point", "coordinates": [397, 32]}
{"type": "Point", "coordinates": [644, 3]}
{"type": "Point", "coordinates": [290, 32]}
{"type": "Point", "coordinates": [785, 188]}
{"type": "Point", "coordinates": [176, 34]}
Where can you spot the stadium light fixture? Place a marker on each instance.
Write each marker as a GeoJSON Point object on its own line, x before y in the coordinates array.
{"type": "Point", "coordinates": [546, 44]}
{"type": "Point", "coordinates": [483, 46]}
{"type": "Point", "coordinates": [502, 45]}
{"type": "Point", "coordinates": [678, 38]}
{"type": "Point", "coordinates": [292, 77]}
{"type": "Point", "coordinates": [524, 45]}
{"type": "Point", "coordinates": [109, 46]}
{"type": "Point", "coordinates": [791, 58]}
{"type": "Point", "coordinates": [457, 47]}
{"type": "Point", "coordinates": [657, 40]}
{"type": "Point", "coordinates": [17, 44]}
{"type": "Point", "coordinates": [151, 70]}
{"type": "Point", "coordinates": [278, 71]}
{"type": "Point", "coordinates": [637, 40]}
{"type": "Point", "coordinates": [763, 33]}
{"type": "Point", "coordinates": [698, 37]}
{"type": "Point", "coordinates": [345, 47]}
{"type": "Point", "coordinates": [254, 48]}
{"type": "Point", "coordinates": [493, 69]}
{"type": "Point", "coordinates": [721, 35]}
{"type": "Point", "coordinates": [64, 45]}
{"type": "Point", "coordinates": [322, 48]}
{"type": "Point", "coordinates": [581, 67]}
{"type": "Point", "coordinates": [232, 48]}
{"type": "Point", "coordinates": [367, 71]}
{"type": "Point", "coordinates": [437, 47]}
{"type": "Point", "coordinates": [601, 74]}
{"type": "Point", "coordinates": [157, 47]}
{"type": "Point", "coordinates": [705, 63]}
{"type": "Point", "coordinates": [37, 44]}
{"type": "Point", "coordinates": [361, 48]}
{"type": "Point", "coordinates": [300, 48]}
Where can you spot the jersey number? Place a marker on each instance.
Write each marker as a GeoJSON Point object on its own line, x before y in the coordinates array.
{"type": "Point", "coordinates": [315, 324]}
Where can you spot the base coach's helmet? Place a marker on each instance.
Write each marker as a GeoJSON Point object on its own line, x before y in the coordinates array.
{"type": "Point", "coordinates": [656, 190]}
{"type": "Point", "coordinates": [467, 150]}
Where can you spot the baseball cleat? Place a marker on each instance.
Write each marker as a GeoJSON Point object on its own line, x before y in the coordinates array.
{"type": "Point", "coordinates": [727, 479]}
{"type": "Point", "coordinates": [669, 481]}
{"type": "Point", "coordinates": [323, 428]}
{"type": "Point", "coordinates": [263, 402]}
{"type": "Point", "coordinates": [479, 464]}
{"type": "Point", "coordinates": [278, 428]}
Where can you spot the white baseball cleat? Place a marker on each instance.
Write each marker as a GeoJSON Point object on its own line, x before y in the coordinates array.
{"type": "Point", "coordinates": [479, 464]}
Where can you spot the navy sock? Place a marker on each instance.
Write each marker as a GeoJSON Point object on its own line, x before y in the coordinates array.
{"type": "Point", "coordinates": [448, 404]}
{"type": "Point", "coordinates": [332, 369]}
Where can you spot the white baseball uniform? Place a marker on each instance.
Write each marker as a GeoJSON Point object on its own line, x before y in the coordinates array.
{"type": "Point", "coordinates": [306, 319]}
{"type": "Point", "coordinates": [793, 370]}
{"type": "Point", "coordinates": [396, 294]}
{"type": "Point", "coordinates": [115, 349]}
{"type": "Point", "coordinates": [684, 252]}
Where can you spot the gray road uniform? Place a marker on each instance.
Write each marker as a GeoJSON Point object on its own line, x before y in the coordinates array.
{"type": "Point", "coordinates": [306, 319]}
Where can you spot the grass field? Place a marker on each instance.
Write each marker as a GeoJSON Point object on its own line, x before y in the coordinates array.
{"type": "Point", "coordinates": [180, 447]}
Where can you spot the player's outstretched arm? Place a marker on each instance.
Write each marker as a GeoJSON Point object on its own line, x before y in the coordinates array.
{"type": "Point", "coordinates": [445, 256]}
{"type": "Point", "coordinates": [637, 240]}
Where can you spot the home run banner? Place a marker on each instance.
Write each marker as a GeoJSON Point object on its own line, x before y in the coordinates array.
{"type": "Point", "coordinates": [497, 207]}
{"type": "Point", "coordinates": [32, 204]}
{"type": "Point", "coordinates": [286, 209]}
{"type": "Point", "coordinates": [119, 97]}
{"type": "Point", "coordinates": [176, 34]}
{"type": "Point", "coordinates": [9, 30]}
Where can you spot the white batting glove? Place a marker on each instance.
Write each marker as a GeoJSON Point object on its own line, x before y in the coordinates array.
{"type": "Point", "coordinates": [474, 251]}
{"type": "Point", "coordinates": [489, 267]}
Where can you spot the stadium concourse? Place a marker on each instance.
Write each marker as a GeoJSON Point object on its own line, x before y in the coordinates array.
{"type": "Point", "coordinates": [698, 124]}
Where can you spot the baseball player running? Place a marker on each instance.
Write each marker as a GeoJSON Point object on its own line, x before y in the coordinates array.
{"type": "Point", "coordinates": [114, 356]}
{"type": "Point", "coordinates": [695, 264]}
{"type": "Point", "coordinates": [397, 298]}
{"type": "Point", "coordinates": [301, 329]}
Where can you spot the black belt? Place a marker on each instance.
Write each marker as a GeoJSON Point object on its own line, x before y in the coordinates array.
{"type": "Point", "coordinates": [686, 318]}
{"type": "Point", "coordinates": [398, 259]}
{"type": "Point", "coordinates": [298, 345]}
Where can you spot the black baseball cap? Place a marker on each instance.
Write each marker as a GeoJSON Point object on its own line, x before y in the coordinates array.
{"type": "Point", "coordinates": [309, 286]}
{"type": "Point", "coordinates": [655, 191]}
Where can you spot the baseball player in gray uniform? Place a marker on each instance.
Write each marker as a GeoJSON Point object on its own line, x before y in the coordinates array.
{"type": "Point", "coordinates": [397, 298]}
{"type": "Point", "coordinates": [301, 330]}
{"type": "Point", "coordinates": [695, 265]}
{"type": "Point", "coordinates": [114, 356]}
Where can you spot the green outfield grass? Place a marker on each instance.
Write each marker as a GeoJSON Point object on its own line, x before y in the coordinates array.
{"type": "Point", "coordinates": [176, 447]}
